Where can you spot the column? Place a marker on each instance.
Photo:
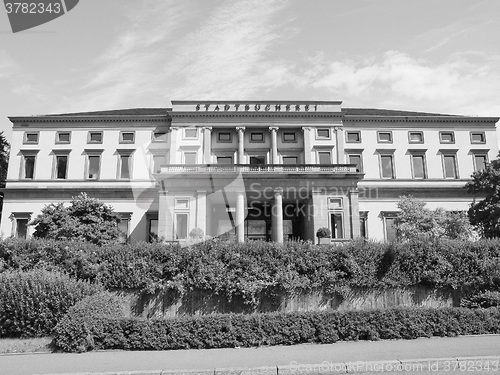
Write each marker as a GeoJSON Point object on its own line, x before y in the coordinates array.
{"type": "Point", "coordinates": [241, 144]}
{"type": "Point", "coordinates": [173, 145]}
{"type": "Point", "coordinates": [240, 217]}
{"type": "Point", "coordinates": [339, 136]}
{"type": "Point", "coordinates": [277, 216]}
{"type": "Point", "coordinates": [318, 212]}
{"type": "Point", "coordinates": [307, 145]}
{"type": "Point", "coordinates": [274, 144]}
{"type": "Point", "coordinates": [207, 144]}
{"type": "Point", "coordinates": [354, 208]}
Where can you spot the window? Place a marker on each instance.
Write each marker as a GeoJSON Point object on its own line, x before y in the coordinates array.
{"type": "Point", "coordinates": [416, 137]}
{"type": "Point", "coordinates": [181, 226]}
{"type": "Point", "coordinates": [324, 157]}
{"type": "Point", "coordinates": [477, 137]}
{"type": "Point", "coordinates": [289, 137]}
{"type": "Point", "coordinates": [334, 203]}
{"type": "Point", "coordinates": [159, 136]}
{"type": "Point", "coordinates": [384, 137]}
{"type": "Point", "coordinates": [446, 137]}
{"type": "Point", "coordinates": [353, 137]}
{"type": "Point", "coordinates": [357, 160]}
{"type": "Point", "coordinates": [290, 160]}
{"type": "Point", "coordinates": [190, 158]}
{"type": "Point", "coordinates": [31, 137]}
{"type": "Point", "coordinates": [450, 166]}
{"type": "Point", "coordinates": [127, 137]}
{"type": "Point", "coordinates": [158, 161]}
{"type": "Point", "coordinates": [418, 166]}
{"type": "Point", "coordinates": [363, 224]}
{"type": "Point", "coordinates": [125, 166]}
{"type": "Point", "coordinates": [93, 166]}
{"type": "Point", "coordinates": [480, 161]}
{"type": "Point", "coordinates": [94, 137]}
{"type": "Point", "coordinates": [190, 133]}
{"type": "Point", "coordinates": [20, 222]}
{"type": "Point", "coordinates": [224, 137]}
{"type": "Point", "coordinates": [63, 137]}
{"type": "Point", "coordinates": [387, 166]}
{"type": "Point", "coordinates": [257, 160]}
{"type": "Point", "coordinates": [390, 228]}
{"type": "Point", "coordinates": [61, 167]}
{"type": "Point", "coordinates": [28, 170]}
{"type": "Point", "coordinates": [123, 226]}
{"type": "Point", "coordinates": [181, 203]}
{"type": "Point", "coordinates": [337, 225]}
{"type": "Point", "coordinates": [323, 133]}
{"type": "Point", "coordinates": [152, 226]}
{"type": "Point", "coordinates": [256, 137]}
{"type": "Point", "coordinates": [224, 160]}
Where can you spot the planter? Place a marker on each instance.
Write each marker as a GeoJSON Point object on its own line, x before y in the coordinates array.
{"type": "Point", "coordinates": [324, 240]}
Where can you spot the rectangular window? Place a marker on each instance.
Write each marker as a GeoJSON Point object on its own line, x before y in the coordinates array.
{"type": "Point", "coordinates": [384, 137]}
{"type": "Point", "coordinates": [480, 162]}
{"type": "Point", "coordinates": [289, 137]}
{"type": "Point", "coordinates": [125, 166]}
{"type": "Point", "coordinates": [387, 166]}
{"type": "Point", "coordinates": [416, 137]}
{"type": "Point", "coordinates": [94, 137]}
{"type": "Point", "coordinates": [31, 137]}
{"type": "Point", "coordinates": [353, 137]}
{"type": "Point", "coordinates": [190, 158]}
{"type": "Point", "coordinates": [290, 160]}
{"type": "Point", "coordinates": [224, 160]}
{"type": "Point", "coordinates": [123, 228]}
{"type": "Point", "coordinates": [158, 161]}
{"type": "Point", "coordinates": [446, 137]}
{"type": "Point", "coordinates": [450, 166]}
{"type": "Point", "coordinates": [323, 133]}
{"type": "Point", "coordinates": [256, 137]}
{"type": "Point", "coordinates": [159, 136]}
{"type": "Point", "coordinates": [63, 137]}
{"type": "Point", "coordinates": [336, 224]}
{"type": "Point", "coordinates": [334, 203]}
{"type": "Point", "coordinates": [390, 229]}
{"type": "Point", "coordinates": [153, 229]}
{"type": "Point", "coordinates": [357, 160]}
{"type": "Point", "coordinates": [22, 228]}
{"type": "Point", "coordinates": [363, 232]}
{"type": "Point", "coordinates": [127, 137]}
{"type": "Point", "coordinates": [324, 157]}
{"type": "Point", "coordinates": [191, 133]}
{"type": "Point", "coordinates": [224, 137]}
{"type": "Point", "coordinates": [257, 160]}
{"type": "Point", "coordinates": [477, 137]}
{"type": "Point", "coordinates": [418, 166]}
{"type": "Point", "coordinates": [93, 167]}
{"type": "Point", "coordinates": [181, 203]}
{"type": "Point", "coordinates": [181, 226]}
{"type": "Point", "coordinates": [61, 166]}
{"type": "Point", "coordinates": [29, 166]}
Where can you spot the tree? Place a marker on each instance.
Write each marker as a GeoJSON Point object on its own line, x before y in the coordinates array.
{"type": "Point", "coordinates": [485, 214]}
{"type": "Point", "coordinates": [414, 220]}
{"type": "Point", "coordinates": [85, 219]}
{"type": "Point", "coordinates": [4, 162]}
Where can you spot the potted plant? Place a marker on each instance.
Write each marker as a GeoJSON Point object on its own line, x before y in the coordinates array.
{"type": "Point", "coordinates": [324, 236]}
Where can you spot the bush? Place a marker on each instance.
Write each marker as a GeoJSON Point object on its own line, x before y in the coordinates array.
{"type": "Point", "coordinates": [231, 330]}
{"type": "Point", "coordinates": [483, 299]}
{"type": "Point", "coordinates": [77, 329]}
{"type": "Point", "coordinates": [32, 302]}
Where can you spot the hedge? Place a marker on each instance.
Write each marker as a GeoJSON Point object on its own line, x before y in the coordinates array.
{"type": "Point", "coordinates": [249, 269]}
{"type": "Point", "coordinates": [32, 302]}
{"type": "Point", "coordinates": [231, 330]}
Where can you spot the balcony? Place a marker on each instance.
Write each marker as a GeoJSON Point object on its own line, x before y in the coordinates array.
{"type": "Point", "coordinates": [326, 169]}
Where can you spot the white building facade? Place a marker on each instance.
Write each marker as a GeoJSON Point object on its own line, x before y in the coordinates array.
{"type": "Point", "coordinates": [244, 170]}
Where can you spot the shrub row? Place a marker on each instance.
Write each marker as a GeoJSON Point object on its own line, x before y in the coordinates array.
{"type": "Point", "coordinates": [33, 302]}
{"type": "Point", "coordinates": [249, 269]}
{"type": "Point", "coordinates": [222, 331]}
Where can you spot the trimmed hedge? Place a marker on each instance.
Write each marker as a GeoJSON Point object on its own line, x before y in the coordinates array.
{"type": "Point", "coordinates": [32, 302]}
{"type": "Point", "coordinates": [226, 331]}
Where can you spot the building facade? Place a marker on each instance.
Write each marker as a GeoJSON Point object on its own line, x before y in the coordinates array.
{"type": "Point", "coordinates": [243, 170]}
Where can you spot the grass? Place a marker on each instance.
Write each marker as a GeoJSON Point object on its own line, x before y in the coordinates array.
{"type": "Point", "coordinates": [33, 345]}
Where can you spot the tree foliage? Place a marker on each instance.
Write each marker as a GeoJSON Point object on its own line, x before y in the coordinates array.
{"type": "Point", "coordinates": [414, 220]}
{"type": "Point", "coordinates": [485, 214]}
{"type": "Point", "coordinates": [85, 219]}
{"type": "Point", "coordinates": [4, 162]}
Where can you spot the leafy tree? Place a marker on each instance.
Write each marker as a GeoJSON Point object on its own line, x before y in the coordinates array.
{"type": "Point", "coordinates": [414, 220]}
{"type": "Point", "coordinates": [85, 219]}
{"type": "Point", "coordinates": [4, 162]}
{"type": "Point", "coordinates": [485, 214]}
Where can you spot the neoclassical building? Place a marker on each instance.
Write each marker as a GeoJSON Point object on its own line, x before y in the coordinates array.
{"type": "Point", "coordinates": [244, 170]}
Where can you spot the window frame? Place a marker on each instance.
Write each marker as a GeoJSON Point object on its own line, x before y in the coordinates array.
{"type": "Point", "coordinates": [455, 164]}
{"type": "Point", "coordinates": [89, 136]}
{"type": "Point", "coordinates": [225, 157]}
{"type": "Point", "coordinates": [319, 158]}
{"type": "Point", "coordinates": [123, 141]}
{"type": "Point", "coordinates": [476, 153]}
{"type": "Point", "coordinates": [387, 153]}
{"type": "Point", "coordinates": [252, 133]}
{"type": "Point", "coordinates": [129, 155]}
{"type": "Point", "coordinates": [88, 154]}
{"type": "Point", "coordinates": [160, 139]}
{"type": "Point", "coordinates": [421, 133]}
{"type": "Point", "coordinates": [16, 218]}
{"type": "Point", "coordinates": [418, 153]}
{"type": "Point", "coordinates": [58, 141]}
{"type": "Point", "coordinates": [283, 157]}
{"type": "Point", "coordinates": [23, 166]}
{"type": "Point", "coordinates": [185, 133]}
{"type": "Point", "coordinates": [285, 133]}
{"type": "Point", "coordinates": [219, 140]}
{"type": "Point", "coordinates": [358, 132]}
{"type": "Point", "coordinates": [318, 136]}
{"type": "Point", "coordinates": [482, 133]}
{"type": "Point", "coordinates": [176, 223]}
{"type": "Point", "coordinates": [184, 153]}
{"type": "Point", "coordinates": [56, 166]}
{"type": "Point", "coordinates": [380, 132]}
{"type": "Point", "coordinates": [444, 132]}
{"type": "Point", "coordinates": [28, 133]}
{"type": "Point", "coordinates": [338, 213]}
{"type": "Point", "coordinates": [360, 155]}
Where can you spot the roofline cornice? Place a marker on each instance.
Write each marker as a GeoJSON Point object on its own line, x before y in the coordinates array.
{"type": "Point", "coordinates": [257, 114]}
{"type": "Point", "coordinates": [97, 118]}
{"type": "Point", "coordinates": [319, 102]}
{"type": "Point", "coordinates": [468, 119]}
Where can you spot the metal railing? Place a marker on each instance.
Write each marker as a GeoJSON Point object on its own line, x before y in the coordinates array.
{"type": "Point", "coordinates": [260, 168]}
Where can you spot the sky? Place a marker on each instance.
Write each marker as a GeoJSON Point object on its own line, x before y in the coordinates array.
{"type": "Point", "coordinates": [419, 55]}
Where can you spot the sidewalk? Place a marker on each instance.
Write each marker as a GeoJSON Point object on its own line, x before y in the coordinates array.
{"type": "Point", "coordinates": [263, 360]}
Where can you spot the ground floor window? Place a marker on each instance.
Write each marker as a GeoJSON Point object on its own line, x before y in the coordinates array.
{"type": "Point", "coordinates": [152, 227]}
{"type": "Point", "coordinates": [337, 227]}
{"type": "Point", "coordinates": [181, 226]}
{"type": "Point", "coordinates": [390, 229]}
{"type": "Point", "coordinates": [363, 224]}
{"type": "Point", "coordinates": [20, 222]}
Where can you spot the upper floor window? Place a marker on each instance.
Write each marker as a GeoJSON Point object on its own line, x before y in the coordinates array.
{"type": "Point", "coordinates": [63, 137]}
{"type": "Point", "coordinates": [159, 136]}
{"type": "Point", "coordinates": [418, 167]}
{"type": "Point", "coordinates": [477, 137]}
{"type": "Point", "coordinates": [93, 167]}
{"type": "Point", "coordinates": [127, 137]}
{"type": "Point", "coordinates": [224, 160]}
{"type": "Point", "coordinates": [257, 160]}
{"type": "Point", "coordinates": [190, 158]}
{"type": "Point", "coordinates": [31, 137]}
{"type": "Point", "coordinates": [324, 157]}
{"type": "Point", "coordinates": [450, 169]}
{"type": "Point", "coordinates": [416, 137]}
{"type": "Point", "coordinates": [384, 137]}
{"type": "Point", "coordinates": [28, 167]}
{"type": "Point", "coordinates": [353, 137]}
{"type": "Point", "coordinates": [480, 160]}
{"type": "Point", "coordinates": [256, 137]}
{"type": "Point", "coordinates": [356, 159]}
{"type": "Point", "coordinates": [323, 133]}
{"type": "Point", "coordinates": [94, 137]}
{"type": "Point", "coordinates": [289, 137]}
{"type": "Point", "coordinates": [61, 164]}
{"type": "Point", "coordinates": [225, 137]}
{"type": "Point", "coordinates": [190, 133]}
{"type": "Point", "coordinates": [447, 137]}
{"type": "Point", "coordinates": [290, 160]}
{"type": "Point", "coordinates": [386, 160]}
{"type": "Point", "coordinates": [158, 161]}
{"type": "Point", "coordinates": [124, 164]}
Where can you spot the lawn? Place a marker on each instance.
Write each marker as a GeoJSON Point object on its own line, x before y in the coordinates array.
{"type": "Point", "coordinates": [33, 345]}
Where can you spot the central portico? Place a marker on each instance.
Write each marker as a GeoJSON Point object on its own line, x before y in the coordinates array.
{"type": "Point", "coordinates": [271, 170]}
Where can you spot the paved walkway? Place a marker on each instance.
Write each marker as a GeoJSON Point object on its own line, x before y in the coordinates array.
{"type": "Point", "coordinates": [263, 360]}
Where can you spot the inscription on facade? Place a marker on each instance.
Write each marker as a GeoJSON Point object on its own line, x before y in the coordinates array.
{"type": "Point", "coordinates": [257, 107]}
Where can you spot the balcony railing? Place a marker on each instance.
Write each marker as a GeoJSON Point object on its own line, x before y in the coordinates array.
{"type": "Point", "coordinates": [260, 168]}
